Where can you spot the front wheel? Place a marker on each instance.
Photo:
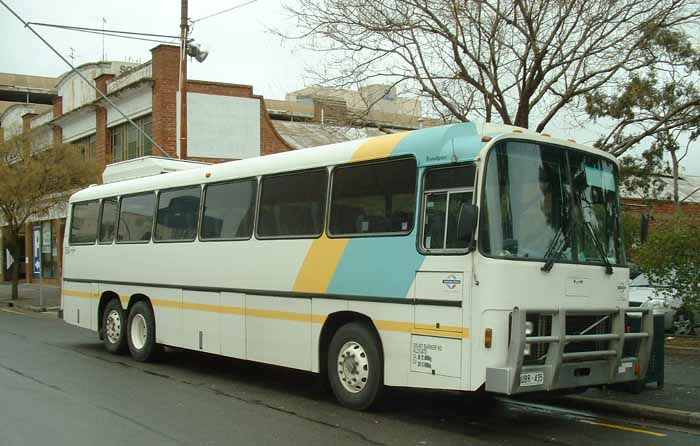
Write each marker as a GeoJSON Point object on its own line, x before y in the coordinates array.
{"type": "Point", "coordinates": [141, 332]}
{"type": "Point", "coordinates": [355, 366]}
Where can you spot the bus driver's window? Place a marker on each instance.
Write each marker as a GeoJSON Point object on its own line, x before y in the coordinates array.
{"type": "Point", "coordinates": [446, 189]}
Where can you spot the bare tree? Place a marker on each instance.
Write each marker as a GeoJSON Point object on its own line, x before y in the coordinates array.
{"type": "Point", "coordinates": [516, 61]}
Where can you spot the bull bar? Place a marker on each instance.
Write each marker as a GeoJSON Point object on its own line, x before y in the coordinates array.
{"type": "Point", "coordinates": [562, 369]}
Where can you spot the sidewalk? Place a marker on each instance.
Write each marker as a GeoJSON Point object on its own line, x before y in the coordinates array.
{"type": "Point", "coordinates": [678, 402]}
{"type": "Point", "coordinates": [29, 296]}
{"type": "Point", "coordinates": [681, 390]}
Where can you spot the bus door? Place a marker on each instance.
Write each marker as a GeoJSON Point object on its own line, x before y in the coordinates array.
{"type": "Point", "coordinates": [442, 283]}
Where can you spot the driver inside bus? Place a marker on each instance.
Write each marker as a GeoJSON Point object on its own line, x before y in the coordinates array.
{"type": "Point", "coordinates": [533, 222]}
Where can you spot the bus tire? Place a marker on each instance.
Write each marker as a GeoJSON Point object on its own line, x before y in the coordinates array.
{"type": "Point", "coordinates": [114, 322]}
{"type": "Point", "coordinates": [355, 366]}
{"type": "Point", "coordinates": [141, 332]}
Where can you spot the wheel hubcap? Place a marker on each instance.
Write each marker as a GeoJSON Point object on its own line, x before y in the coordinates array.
{"type": "Point", "coordinates": [113, 326]}
{"type": "Point", "coordinates": [353, 367]}
{"type": "Point", "coordinates": [138, 331]}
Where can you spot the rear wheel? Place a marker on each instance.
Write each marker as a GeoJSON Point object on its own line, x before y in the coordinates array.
{"type": "Point", "coordinates": [355, 366]}
{"type": "Point", "coordinates": [141, 333]}
{"type": "Point", "coordinates": [114, 327]}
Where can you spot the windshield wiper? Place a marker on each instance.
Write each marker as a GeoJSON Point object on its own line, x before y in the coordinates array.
{"type": "Point", "coordinates": [551, 255]}
{"type": "Point", "coordinates": [599, 247]}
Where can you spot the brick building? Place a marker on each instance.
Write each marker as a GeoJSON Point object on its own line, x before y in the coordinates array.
{"type": "Point", "coordinates": [225, 122]}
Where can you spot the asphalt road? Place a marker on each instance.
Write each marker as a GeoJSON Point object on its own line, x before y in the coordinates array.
{"type": "Point", "coordinates": [59, 387]}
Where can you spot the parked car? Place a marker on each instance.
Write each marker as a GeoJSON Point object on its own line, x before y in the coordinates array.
{"type": "Point", "coordinates": [677, 318]}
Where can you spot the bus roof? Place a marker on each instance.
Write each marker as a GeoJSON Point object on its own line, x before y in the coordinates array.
{"type": "Point", "coordinates": [430, 146]}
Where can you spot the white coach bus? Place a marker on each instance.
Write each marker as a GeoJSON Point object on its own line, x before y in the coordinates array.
{"type": "Point", "coordinates": [448, 258]}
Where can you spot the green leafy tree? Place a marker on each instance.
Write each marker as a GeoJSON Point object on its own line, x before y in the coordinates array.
{"type": "Point", "coordinates": [671, 257]}
{"type": "Point", "coordinates": [32, 182]}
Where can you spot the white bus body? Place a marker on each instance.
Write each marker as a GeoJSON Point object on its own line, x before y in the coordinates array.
{"type": "Point", "coordinates": [445, 312]}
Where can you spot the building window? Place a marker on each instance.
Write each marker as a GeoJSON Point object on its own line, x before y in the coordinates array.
{"type": "Point", "coordinates": [374, 198]}
{"type": "Point", "coordinates": [128, 142]}
{"type": "Point", "coordinates": [229, 209]}
{"type": "Point", "coordinates": [88, 146]}
{"type": "Point", "coordinates": [293, 205]}
{"type": "Point", "coordinates": [136, 218]}
{"type": "Point", "coordinates": [178, 213]}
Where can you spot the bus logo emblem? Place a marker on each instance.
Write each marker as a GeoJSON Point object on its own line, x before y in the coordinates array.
{"type": "Point", "coordinates": [452, 281]}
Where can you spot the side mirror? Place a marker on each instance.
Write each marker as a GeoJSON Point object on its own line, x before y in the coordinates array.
{"type": "Point", "coordinates": [466, 222]}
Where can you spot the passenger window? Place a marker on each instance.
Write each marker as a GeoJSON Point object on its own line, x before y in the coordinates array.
{"type": "Point", "coordinates": [376, 198]}
{"type": "Point", "coordinates": [178, 213]}
{"type": "Point", "coordinates": [446, 189]}
{"type": "Point", "coordinates": [83, 227]}
{"type": "Point", "coordinates": [293, 205]}
{"type": "Point", "coordinates": [108, 223]}
{"type": "Point", "coordinates": [229, 209]}
{"type": "Point", "coordinates": [136, 218]}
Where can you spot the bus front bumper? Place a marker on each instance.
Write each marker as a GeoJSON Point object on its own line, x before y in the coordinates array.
{"type": "Point", "coordinates": [560, 368]}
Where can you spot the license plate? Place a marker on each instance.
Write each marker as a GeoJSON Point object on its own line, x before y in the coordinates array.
{"type": "Point", "coordinates": [531, 379]}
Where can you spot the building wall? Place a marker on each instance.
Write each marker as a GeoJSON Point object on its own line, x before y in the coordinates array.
{"type": "Point", "coordinates": [660, 209]}
{"type": "Point", "coordinates": [78, 125]}
{"type": "Point", "coordinates": [134, 102]}
{"type": "Point", "coordinates": [222, 126]}
{"type": "Point", "coordinates": [76, 92]}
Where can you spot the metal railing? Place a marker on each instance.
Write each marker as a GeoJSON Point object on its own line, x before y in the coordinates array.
{"type": "Point", "coordinates": [507, 379]}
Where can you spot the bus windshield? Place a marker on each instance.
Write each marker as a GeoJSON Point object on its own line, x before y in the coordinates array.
{"type": "Point", "coordinates": [543, 200]}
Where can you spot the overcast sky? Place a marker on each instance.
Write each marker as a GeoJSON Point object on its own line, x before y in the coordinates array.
{"type": "Point", "coordinates": [242, 50]}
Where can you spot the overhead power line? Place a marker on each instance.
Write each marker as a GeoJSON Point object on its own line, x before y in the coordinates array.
{"type": "Point", "coordinates": [109, 101]}
{"type": "Point", "coordinates": [99, 32]}
{"type": "Point", "coordinates": [224, 11]}
{"type": "Point", "coordinates": [115, 31]}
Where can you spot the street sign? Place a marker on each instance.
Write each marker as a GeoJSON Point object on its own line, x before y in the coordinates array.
{"type": "Point", "coordinates": [37, 250]}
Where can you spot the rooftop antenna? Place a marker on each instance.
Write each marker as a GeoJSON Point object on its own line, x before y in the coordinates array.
{"type": "Point", "coordinates": [454, 154]}
{"type": "Point", "coordinates": [72, 55]}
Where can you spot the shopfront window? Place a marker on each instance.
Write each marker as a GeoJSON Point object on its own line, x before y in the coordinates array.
{"type": "Point", "coordinates": [49, 251]}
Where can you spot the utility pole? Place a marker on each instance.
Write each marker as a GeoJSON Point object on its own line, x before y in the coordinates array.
{"type": "Point", "coordinates": [184, 30]}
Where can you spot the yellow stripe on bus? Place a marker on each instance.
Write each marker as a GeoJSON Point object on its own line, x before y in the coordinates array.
{"type": "Point", "coordinates": [397, 326]}
{"type": "Point", "coordinates": [319, 265]}
{"type": "Point", "coordinates": [380, 147]}
{"type": "Point", "coordinates": [83, 294]}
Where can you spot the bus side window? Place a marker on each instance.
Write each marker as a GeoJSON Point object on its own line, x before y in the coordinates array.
{"type": "Point", "coordinates": [446, 188]}
{"type": "Point", "coordinates": [83, 225]}
{"type": "Point", "coordinates": [136, 218]}
{"type": "Point", "coordinates": [108, 222]}
{"type": "Point", "coordinates": [228, 210]}
{"type": "Point", "coordinates": [293, 205]}
{"type": "Point", "coordinates": [374, 198]}
{"type": "Point", "coordinates": [178, 214]}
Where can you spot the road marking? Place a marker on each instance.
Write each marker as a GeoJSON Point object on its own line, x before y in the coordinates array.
{"type": "Point", "coordinates": [11, 311]}
{"type": "Point", "coordinates": [624, 428]}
